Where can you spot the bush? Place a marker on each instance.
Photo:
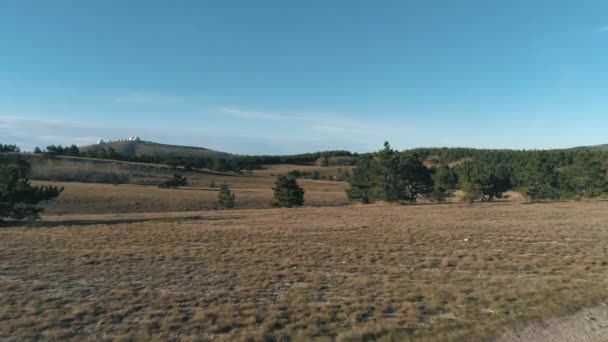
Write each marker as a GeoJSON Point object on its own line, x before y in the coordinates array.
{"type": "Point", "coordinates": [174, 182]}
{"type": "Point", "coordinates": [226, 198]}
{"type": "Point", "coordinates": [18, 198]}
{"type": "Point", "coordinates": [287, 192]}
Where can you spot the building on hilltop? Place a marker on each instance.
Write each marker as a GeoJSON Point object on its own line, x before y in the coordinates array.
{"type": "Point", "coordinates": [101, 141]}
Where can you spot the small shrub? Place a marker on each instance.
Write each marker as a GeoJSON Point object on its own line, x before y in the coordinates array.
{"type": "Point", "coordinates": [226, 198]}
{"type": "Point", "coordinates": [174, 182]}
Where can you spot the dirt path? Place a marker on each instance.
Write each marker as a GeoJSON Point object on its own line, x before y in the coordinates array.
{"type": "Point", "coordinates": [587, 325]}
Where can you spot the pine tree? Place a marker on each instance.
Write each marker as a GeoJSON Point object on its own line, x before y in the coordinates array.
{"type": "Point", "coordinates": [73, 151]}
{"type": "Point", "coordinates": [226, 198]}
{"type": "Point", "coordinates": [287, 192]}
{"type": "Point", "coordinates": [18, 198]}
{"type": "Point", "coordinates": [390, 176]}
{"type": "Point", "coordinates": [9, 148]}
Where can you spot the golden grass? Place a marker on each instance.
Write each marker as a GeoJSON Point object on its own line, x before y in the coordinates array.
{"type": "Point", "coordinates": [251, 192]}
{"type": "Point", "coordinates": [422, 272]}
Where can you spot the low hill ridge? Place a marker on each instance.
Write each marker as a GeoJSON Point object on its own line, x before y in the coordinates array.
{"type": "Point", "coordinates": [133, 148]}
{"type": "Point", "coordinates": [593, 147]}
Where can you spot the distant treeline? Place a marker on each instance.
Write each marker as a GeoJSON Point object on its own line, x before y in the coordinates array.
{"type": "Point", "coordinates": [482, 174]}
{"type": "Point", "coordinates": [234, 163]}
{"type": "Point", "coordinates": [9, 148]}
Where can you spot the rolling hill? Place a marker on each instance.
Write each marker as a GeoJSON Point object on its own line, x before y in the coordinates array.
{"type": "Point", "coordinates": [594, 147]}
{"type": "Point", "coordinates": [148, 148]}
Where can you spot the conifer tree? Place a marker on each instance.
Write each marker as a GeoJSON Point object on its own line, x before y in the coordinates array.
{"type": "Point", "coordinates": [226, 198]}
{"type": "Point", "coordinates": [287, 192]}
{"type": "Point", "coordinates": [18, 198]}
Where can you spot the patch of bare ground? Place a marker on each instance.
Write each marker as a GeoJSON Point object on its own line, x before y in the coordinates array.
{"type": "Point", "coordinates": [380, 272]}
{"type": "Point", "coordinates": [587, 325]}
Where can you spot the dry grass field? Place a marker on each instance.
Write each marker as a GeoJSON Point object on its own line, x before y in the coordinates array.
{"type": "Point", "coordinates": [251, 192]}
{"type": "Point", "coordinates": [450, 272]}
{"type": "Point", "coordinates": [141, 194]}
{"type": "Point", "coordinates": [89, 189]}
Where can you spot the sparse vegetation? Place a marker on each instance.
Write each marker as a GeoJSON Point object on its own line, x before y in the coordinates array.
{"type": "Point", "coordinates": [407, 273]}
{"type": "Point", "coordinates": [176, 181]}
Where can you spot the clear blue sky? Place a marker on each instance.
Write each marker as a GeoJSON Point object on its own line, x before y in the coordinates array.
{"type": "Point", "coordinates": [296, 76]}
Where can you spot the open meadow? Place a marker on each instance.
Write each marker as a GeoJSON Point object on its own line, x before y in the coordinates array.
{"type": "Point", "coordinates": [252, 192]}
{"type": "Point", "coordinates": [96, 186]}
{"type": "Point", "coordinates": [451, 272]}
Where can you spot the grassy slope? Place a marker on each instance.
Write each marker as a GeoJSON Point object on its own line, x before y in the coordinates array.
{"type": "Point", "coordinates": [142, 194]}
{"type": "Point", "coordinates": [595, 147]}
{"type": "Point", "coordinates": [424, 272]}
{"type": "Point", "coordinates": [141, 148]}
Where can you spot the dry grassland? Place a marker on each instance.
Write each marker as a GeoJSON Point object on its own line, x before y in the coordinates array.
{"type": "Point", "coordinates": [425, 272]}
{"type": "Point", "coordinates": [251, 192]}
{"type": "Point", "coordinates": [141, 194]}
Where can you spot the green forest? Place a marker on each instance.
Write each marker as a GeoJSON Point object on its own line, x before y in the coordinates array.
{"type": "Point", "coordinates": [483, 175]}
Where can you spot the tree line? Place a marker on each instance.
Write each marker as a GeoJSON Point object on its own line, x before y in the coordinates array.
{"type": "Point", "coordinates": [236, 163]}
{"type": "Point", "coordinates": [483, 175]}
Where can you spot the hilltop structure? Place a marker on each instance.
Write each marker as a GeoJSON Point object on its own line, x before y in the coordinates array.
{"type": "Point", "coordinates": [101, 141]}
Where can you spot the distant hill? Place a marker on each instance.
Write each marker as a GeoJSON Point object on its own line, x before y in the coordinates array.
{"type": "Point", "coordinates": [594, 147]}
{"type": "Point", "coordinates": [148, 148]}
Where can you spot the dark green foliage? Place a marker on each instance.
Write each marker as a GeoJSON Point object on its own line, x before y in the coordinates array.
{"type": "Point", "coordinates": [536, 191]}
{"type": "Point", "coordinates": [18, 198]}
{"type": "Point", "coordinates": [363, 180]}
{"type": "Point", "coordinates": [59, 150]}
{"type": "Point", "coordinates": [174, 182]}
{"type": "Point", "coordinates": [287, 192]}
{"type": "Point", "coordinates": [37, 150]}
{"type": "Point", "coordinates": [549, 174]}
{"type": "Point", "coordinates": [9, 148]}
{"type": "Point", "coordinates": [444, 181]}
{"type": "Point", "coordinates": [226, 198]}
{"type": "Point", "coordinates": [390, 176]}
{"type": "Point", "coordinates": [305, 158]}
{"type": "Point", "coordinates": [343, 174]}
{"type": "Point", "coordinates": [585, 177]}
{"type": "Point", "coordinates": [483, 182]}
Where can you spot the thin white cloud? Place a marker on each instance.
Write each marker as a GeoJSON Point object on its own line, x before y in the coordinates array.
{"type": "Point", "coordinates": [248, 114]}
{"type": "Point", "coordinates": [603, 29]}
{"type": "Point", "coordinates": [317, 122]}
{"type": "Point", "coordinates": [142, 98]}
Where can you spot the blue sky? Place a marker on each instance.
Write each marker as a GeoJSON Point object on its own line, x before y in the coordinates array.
{"type": "Point", "coordinates": [295, 76]}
